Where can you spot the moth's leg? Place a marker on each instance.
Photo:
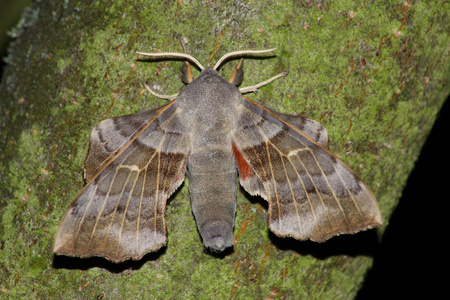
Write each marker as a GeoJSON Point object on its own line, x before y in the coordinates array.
{"type": "Point", "coordinates": [167, 97]}
{"type": "Point", "coordinates": [238, 74]}
{"type": "Point", "coordinates": [186, 73]}
{"type": "Point", "coordinates": [254, 88]}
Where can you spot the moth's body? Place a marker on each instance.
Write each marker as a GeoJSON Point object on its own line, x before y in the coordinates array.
{"type": "Point", "coordinates": [211, 133]}
{"type": "Point", "coordinates": [211, 165]}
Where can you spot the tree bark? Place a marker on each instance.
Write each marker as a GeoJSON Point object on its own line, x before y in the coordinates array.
{"type": "Point", "coordinates": [374, 73]}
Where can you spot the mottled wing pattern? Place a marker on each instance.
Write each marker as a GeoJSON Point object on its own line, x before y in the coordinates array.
{"type": "Point", "coordinates": [134, 164]}
{"type": "Point", "coordinates": [311, 193]}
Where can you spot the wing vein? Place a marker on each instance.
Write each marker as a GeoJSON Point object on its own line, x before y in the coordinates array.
{"type": "Point", "coordinates": [121, 145]}
{"type": "Point", "coordinates": [307, 194]}
{"type": "Point", "coordinates": [332, 189]}
{"type": "Point", "coordinates": [84, 214]}
{"type": "Point", "coordinates": [101, 211]}
{"type": "Point", "coordinates": [292, 193]}
{"type": "Point", "coordinates": [140, 208]}
{"type": "Point", "coordinates": [127, 205]}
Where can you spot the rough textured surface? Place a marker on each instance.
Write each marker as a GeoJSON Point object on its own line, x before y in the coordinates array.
{"type": "Point", "coordinates": [375, 73]}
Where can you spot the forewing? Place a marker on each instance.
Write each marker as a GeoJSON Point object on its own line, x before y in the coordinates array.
{"type": "Point", "coordinates": [134, 164]}
{"type": "Point", "coordinates": [311, 193]}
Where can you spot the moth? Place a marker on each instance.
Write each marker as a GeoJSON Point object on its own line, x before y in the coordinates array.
{"type": "Point", "coordinates": [211, 132]}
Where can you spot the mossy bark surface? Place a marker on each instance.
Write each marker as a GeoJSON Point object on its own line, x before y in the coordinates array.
{"type": "Point", "coordinates": [374, 73]}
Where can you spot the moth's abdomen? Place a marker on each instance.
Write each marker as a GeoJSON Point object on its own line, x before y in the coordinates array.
{"type": "Point", "coordinates": [212, 187]}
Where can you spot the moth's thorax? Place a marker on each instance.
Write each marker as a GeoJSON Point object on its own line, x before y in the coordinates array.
{"type": "Point", "coordinates": [210, 101]}
{"type": "Point", "coordinates": [209, 89]}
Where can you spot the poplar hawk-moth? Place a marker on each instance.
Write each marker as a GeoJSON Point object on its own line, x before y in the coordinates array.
{"type": "Point", "coordinates": [210, 131]}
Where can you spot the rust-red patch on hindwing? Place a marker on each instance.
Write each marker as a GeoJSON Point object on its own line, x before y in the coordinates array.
{"type": "Point", "coordinates": [245, 171]}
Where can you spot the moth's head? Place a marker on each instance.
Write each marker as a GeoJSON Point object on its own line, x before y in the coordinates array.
{"type": "Point", "coordinates": [235, 79]}
{"type": "Point", "coordinates": [208, 85]}
{"type": "Point", "coordinates": [211, 75]}
{"type": "Point", "coordinates": [186, 73]}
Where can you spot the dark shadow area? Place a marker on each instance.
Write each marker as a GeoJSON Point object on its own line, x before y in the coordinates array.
{"type": "Point", "coordinates": [363, 243]}
{"type": "Point", "coordinates": [149, 59]}
{"type": "Point", "coordinates": [10, 14]}
{"type": "Point", "coordinates": [76, 263]}
{"type": "Point", "coordinates": [253, 199]}
{"type": "Point", "coordinates": [412, 260]}
{"type": "Point", "coordinates": [220, 255]}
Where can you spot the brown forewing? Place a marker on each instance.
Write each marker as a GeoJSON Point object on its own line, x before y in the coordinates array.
{"type": "Point", "coordinates": [134, 164]}
{"type": "Point", "coordinates": [311, 193]}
